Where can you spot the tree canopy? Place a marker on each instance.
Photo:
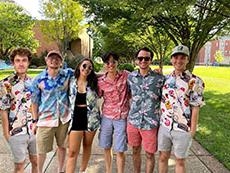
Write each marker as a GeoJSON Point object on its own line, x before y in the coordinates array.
{"type": "Point", "coordinates": [15, 29]}
{"type": "Point", "coordinates": [64, 21]}
{"type": "Point", "coordinates": [191, 23]}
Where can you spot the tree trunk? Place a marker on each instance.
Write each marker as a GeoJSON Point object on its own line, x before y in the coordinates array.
{"type": "Point", "coordinates": [192, 59]}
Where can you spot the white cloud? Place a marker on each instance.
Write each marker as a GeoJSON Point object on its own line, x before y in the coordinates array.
{"type": "Point", "coordinates": [32, 6]}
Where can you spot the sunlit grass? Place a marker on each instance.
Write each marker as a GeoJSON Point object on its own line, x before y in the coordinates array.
{"type": "Point", "coordinates": [214, 121]}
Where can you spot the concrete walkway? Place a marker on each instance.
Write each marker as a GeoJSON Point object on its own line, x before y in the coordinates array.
{"type": "Point", "coordinates": [199, 161]}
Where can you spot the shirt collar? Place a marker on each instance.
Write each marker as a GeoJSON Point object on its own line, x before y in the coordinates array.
{"type": "Point", "coordinates": [45, 75]}
{"type": "Point", "coordinates": [183, 75]}
{"type": "Point", "coordinates": [118, 74]}
{"type": "Point", "coordinates": [16, 77]}
{"type": "Point", "coordinates": [137, 73]}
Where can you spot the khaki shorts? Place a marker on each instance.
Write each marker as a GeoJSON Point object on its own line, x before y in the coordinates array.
{"type": "Point", "coordinates": [45, 137]}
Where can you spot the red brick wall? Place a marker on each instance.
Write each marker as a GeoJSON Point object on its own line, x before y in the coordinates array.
{"type": "Point", "coordinates": [227, 48]}
{"type": "Point", "coordinates": [44, 44]}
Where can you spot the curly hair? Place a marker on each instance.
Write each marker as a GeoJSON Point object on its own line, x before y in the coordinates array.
{"type": "Point", "coordinates": [21, 52]}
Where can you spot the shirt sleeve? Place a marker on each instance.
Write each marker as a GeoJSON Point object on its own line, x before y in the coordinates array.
{"type": "Point", "coordinates": [36, 92]}
{"type": "Point", "coordinates": [4, 96]}
{"type": "Point", "coordinates": [197, 92]}
{"type": "Point", "coordinates": [100, 92]}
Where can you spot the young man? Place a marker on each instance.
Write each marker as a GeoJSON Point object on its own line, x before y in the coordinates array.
{"type": "Point", "coordinates": [113, 88]}
{"type": "Point", "coordinates": [15, 109]}
{"type": "Point", "coordinates": [182, 98]}
{"type": "Point", "coordinates": [143, 119]}
{"type": "Point", "coordinates": [50, 109]}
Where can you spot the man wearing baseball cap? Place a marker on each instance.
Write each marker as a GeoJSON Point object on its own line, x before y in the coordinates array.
{"type": "Point", "coordinates": [182, 97]}
{"type": "Point", "coordinates": [50, 108]}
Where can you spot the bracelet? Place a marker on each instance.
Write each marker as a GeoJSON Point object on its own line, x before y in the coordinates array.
{"type": "Point", "coordinates": [34, 120]}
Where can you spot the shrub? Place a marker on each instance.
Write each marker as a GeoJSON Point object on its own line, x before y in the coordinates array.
{"type": "Point", "coordinates": [126, 66]}
{"type": "Point", "coordinates": [97, 66]}
{"type": "Point", "coordinates": [38, 60]}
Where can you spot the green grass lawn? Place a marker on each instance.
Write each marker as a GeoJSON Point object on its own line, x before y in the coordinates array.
{"type": "Point", "coordinates": [31, 72]}
{"type": "Point", "coordinates": [214, 121]}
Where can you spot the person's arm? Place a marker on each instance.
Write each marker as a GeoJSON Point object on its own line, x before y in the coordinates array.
{"type": "Point", "coordinates": [34, 117]}
{"type": "Point", "coordinates": [5, 124]}
{"type": "Point", "coordinates": [35, 99]}
{"type": "Point", "coordinates": [194, 120]}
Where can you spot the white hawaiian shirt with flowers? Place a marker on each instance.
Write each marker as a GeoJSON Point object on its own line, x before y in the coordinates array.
{"type": "Point", "coordinates": [15, 97]}
{"type": "Point", "coordinates": [180, 93]}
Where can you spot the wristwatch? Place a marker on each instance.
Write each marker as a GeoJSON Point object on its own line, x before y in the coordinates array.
{"type": "Point", "coordinates": [34, 120]}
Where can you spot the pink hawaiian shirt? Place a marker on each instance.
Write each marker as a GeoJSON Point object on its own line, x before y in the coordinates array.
{"type": "Point", "coordinates": [180, 93]}
{"type": "Point", "coordinates": [115, 95]}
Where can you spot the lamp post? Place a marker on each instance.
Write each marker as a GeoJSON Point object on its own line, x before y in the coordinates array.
{"type": "Point", "coordinates": [89, 32]}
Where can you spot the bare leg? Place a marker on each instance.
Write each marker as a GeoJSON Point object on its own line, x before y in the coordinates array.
{"type": "Point", "coordinates": [87, 146]}
{"type": "Point", "coordinates": [61, 153]}
{"type": "Point", "coordinates": [75, 138]}
{"type": "Point", "coordinates": [150, 162]}
{"type": "Point", "coordinates": [19, 167]}
{"type": "Point", "coordinates": [137, 159]}
{"type": "Point", "coordinates": [120, 162]}
{"type": "Point", "coordinates": [180, 165]}
{"type": "Point", "coordinates": [108, 160]}
{"type": "Point", "coordinates": [163, 161]}
{"type": "Point", "coordinates": [41, 161]}
{"type": "Point", "coordinates": [33, 160]}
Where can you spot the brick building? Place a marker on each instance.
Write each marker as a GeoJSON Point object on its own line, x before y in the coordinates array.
{"type": "Point", "coordinates": [207, 53]}
{"type": "Point", "coordinates": [81, 46]}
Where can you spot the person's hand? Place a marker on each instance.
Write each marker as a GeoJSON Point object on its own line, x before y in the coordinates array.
{"type": "Point", "coordinates": [34, 128]}
{"type": "Point", "coordinates": [193, 133]}
{"type": "Point", "coordinates": [7, 136]}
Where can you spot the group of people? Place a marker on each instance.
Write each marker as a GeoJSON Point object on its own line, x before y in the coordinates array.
{"type": "Point", "coordinates": [141, 109]}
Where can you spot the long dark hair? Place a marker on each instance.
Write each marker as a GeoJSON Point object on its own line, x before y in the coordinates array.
{"type": "Point", "coordinates": [91, 78]}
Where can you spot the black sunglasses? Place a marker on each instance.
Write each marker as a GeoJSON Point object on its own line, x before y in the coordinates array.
{"type": "Point", "coordinates": [140, 58]}
{"type": "Point", "coordinates": [85, 66]}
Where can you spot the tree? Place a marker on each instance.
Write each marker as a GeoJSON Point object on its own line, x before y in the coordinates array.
{"type": "Point", "coordinates": [219, 56]}
{"type": "Point", "coordinates": [15, 29]}
{"type": "Point", "coordinates": [191, 23]}
{"type": "Point", "coordinates": [125, 41]}
{"type": "Point", "coordinates": [64, 21]}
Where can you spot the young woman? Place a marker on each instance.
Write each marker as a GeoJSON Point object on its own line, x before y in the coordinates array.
{"type": "Point", "coordinates": [85, 114]}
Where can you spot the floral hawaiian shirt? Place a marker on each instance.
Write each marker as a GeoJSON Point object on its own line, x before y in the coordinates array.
{"type": "Point", "coordinates": [93, 114]}
{"type": "Point", "coordinates": [15, 96]}
{"type": "Point", "coordinates": [52, 98]}
{"type": "Point", "coordinates": [115, 95]}
{"type": "Point", "coordinates": [146, 96]}
{"type": "Point", "coordinates": [180, 94]}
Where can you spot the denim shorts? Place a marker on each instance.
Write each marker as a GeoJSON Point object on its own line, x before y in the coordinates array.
{"type": "Point", "coordinates": [20, 145]}
{"type": "Point", "coordinates": [116, 127]}
{"type": "Point", "coordinates": [180, 141]}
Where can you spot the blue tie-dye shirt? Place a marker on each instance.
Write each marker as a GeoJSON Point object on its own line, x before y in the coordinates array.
{"type": "Point", "coordinates": [51, 95]}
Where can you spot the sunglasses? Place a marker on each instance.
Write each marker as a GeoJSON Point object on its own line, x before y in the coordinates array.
{"type": "Point", "coordinates": [110, 62]}
{"type": "Point", "coordinates": [85, 66]}
{"type": "Point", "coordinates": [140, 58]}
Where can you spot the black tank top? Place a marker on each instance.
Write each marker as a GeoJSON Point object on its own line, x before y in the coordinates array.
{"type": "Point", "coordinates": [80, 99]}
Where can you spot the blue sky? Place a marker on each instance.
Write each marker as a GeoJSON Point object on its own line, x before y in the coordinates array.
{"type": "Point", "coordinates": [32, 6]}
